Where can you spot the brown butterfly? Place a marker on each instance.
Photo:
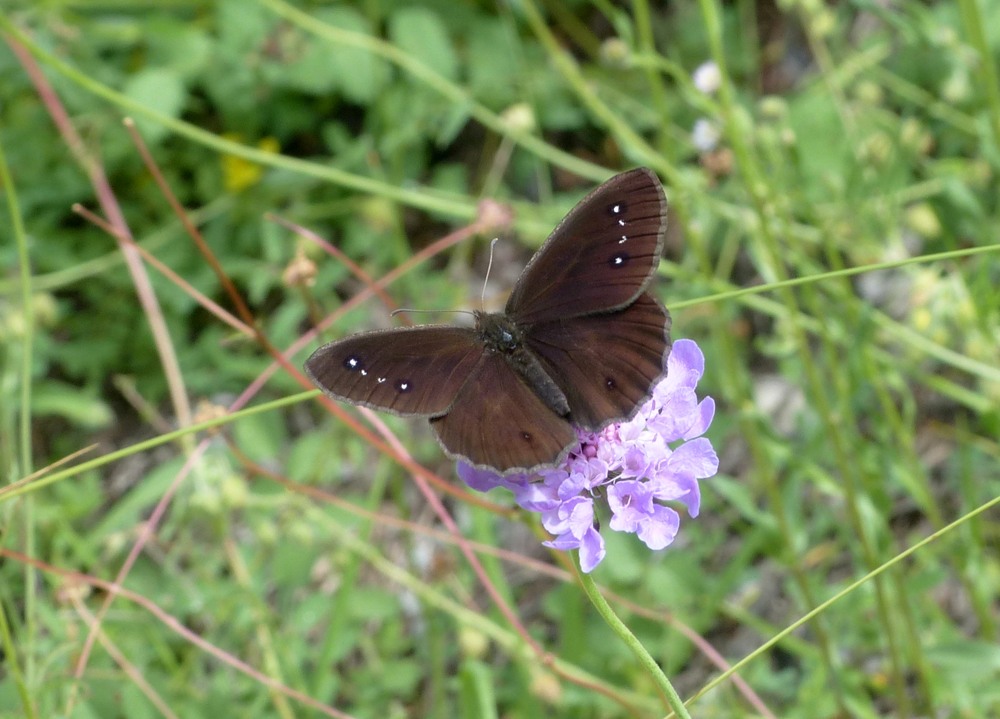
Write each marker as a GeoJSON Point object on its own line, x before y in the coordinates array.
{"type": "Point", "coordinates": [580, 342]}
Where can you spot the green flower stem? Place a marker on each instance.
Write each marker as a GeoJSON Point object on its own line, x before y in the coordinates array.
{"type": "Point", "coordinates": [645, 658]}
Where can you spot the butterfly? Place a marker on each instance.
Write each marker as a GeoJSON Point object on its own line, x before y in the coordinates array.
{"type": "Point", "coordinates": [580, 342]}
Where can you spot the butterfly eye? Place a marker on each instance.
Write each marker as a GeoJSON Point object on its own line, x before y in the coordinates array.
{"type": "Point", "coordinates": [507, 339]}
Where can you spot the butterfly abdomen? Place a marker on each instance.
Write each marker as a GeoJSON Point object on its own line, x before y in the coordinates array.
{"type": "Point", "coordinates": [500, 334]}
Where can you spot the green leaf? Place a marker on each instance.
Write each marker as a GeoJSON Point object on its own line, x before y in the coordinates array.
{"type": "Point", "coordinates": [53, 398]}
{"type": "Point", "coordinates": [477, 691]}
{"type": "Point", "coordinates": [160, 90]}
{"type": "Point", "coordinates": [490, 49]}
{"type": "Point", "coordinates": [180, 46]}
{"type": "Point", "coordinates": [261, 436]}
{"type": "Point", "coordinates": [356, 73]}
{"type": "Point", "coordinates": [967, 658]}
{"type": "Point", "coordinates": [420, 33]}
{"type": "Point", "coordinates": [816, 123]}
{"type": "Point", "coordinates": [131, 508]}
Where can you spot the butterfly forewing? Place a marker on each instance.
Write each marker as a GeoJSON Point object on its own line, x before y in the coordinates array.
{"type": "Point", "coordinates": [408, 371]}
{"type": "Point", "coordinates": [498, 422]}
{"type": "Point", "coordinates": [600, 257]}
{"type": "Point", "coordinates": [605, 364]}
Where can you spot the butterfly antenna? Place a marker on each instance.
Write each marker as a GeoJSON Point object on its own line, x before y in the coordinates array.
{"type": "Point", "coordinates": [482, 299]}
{"type": "Point", "coordinates": [415, 311]}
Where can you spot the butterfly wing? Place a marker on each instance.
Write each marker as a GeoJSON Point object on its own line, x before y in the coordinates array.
{"type": "Point", "coordinates": [498, 422]}
{"type": "Point", "coordinates": [600, 257]}
{"type": "Point", "coordinates": [407, 371]}
{"type": "Point", "coordinates": [605, 364]}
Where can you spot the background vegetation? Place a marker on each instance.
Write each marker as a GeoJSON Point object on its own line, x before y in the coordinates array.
{"type": "Point", "coordinates": [283, 563]}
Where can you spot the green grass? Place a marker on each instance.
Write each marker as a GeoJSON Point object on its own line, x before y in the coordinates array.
{"type": "Point", "coordinates": [835, 256]}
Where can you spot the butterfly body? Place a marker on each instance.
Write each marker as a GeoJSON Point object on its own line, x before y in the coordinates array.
{"type": "Point", "coordinates": [500, 334]}
{"type": "Point", "coordinates": [580, 343]}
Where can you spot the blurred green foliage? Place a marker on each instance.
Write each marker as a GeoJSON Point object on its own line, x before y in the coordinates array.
{"type": "Point", "coordinates": [856, 415]}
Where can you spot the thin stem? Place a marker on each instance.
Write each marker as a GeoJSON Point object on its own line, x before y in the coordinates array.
{"type": "Point", "coordinates": [24, 677]}
{"type": "Point", "coordinates": [673, 699]}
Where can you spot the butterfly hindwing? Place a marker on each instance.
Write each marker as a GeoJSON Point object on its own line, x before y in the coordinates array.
{"type": "Point", "coordinates": [605, 364]}
{"type": "Point", "coordinates": [498, 422]}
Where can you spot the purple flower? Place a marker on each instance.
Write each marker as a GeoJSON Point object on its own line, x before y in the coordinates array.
{"type": "Point", "coordinates": [632, 468]}
{"type": "Point", "coordinates": [572, 521]}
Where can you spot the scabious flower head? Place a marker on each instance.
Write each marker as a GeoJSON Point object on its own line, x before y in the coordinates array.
{"type": "Point", "coordinates": [631, 467]}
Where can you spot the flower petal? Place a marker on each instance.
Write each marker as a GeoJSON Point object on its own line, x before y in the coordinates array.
{"type": "Point", "coordinates": [592, 550]}
{"type": "Point", "coordinates": [686, 354]}
{"type": "Point", "coordinates": [658, 529]}
{"type": "Point", "coordinates": [695, 458]}
{"type": "Point", "coordinates": [483, 480]}
{"type": "Point", "coordinates": [706, 412]}
{"type": "Point", "coordinates": [630, 501]}
{"type": "Point", "coordinates": [536, 497]}
{"type": "Point", "coordinates": [678, 414]}
{"type": "Point", "coordinates": [581, 516]}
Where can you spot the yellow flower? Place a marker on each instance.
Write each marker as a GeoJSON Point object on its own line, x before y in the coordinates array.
{"type": "Point", "coordinates": [239, 173]}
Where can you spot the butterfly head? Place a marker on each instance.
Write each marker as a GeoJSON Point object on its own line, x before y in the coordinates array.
{"type": "Point", "coordinates": [498, 332]}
